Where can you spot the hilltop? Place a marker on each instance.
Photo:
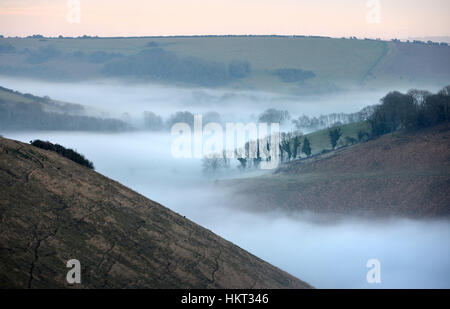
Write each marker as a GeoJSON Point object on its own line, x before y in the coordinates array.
{"type": "Point", "coordinates": [284, 64]}
{"type": "Point", "coordinates": [53, 210]}
{"type": "Point", "coordinates": [399, 174]}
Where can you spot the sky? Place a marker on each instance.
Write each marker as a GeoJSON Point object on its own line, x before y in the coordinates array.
{"type": "Point", "coordinates": [361, 18]}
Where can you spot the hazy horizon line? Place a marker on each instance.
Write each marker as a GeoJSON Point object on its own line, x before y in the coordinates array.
{"type": "Point", "coordinates": [232, 35]}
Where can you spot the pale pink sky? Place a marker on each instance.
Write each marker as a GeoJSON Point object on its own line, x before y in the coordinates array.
{"type": "Point", "coordinates": [399, 18]}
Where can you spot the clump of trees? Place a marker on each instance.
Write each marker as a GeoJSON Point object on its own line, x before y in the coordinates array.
{"type": "Point", "coordinates": [411, 111]}
{"type": "Point", "coordinates": [101, 56]}
{"type": "Point", "coordinates": [363, 136]}
{"type": "Point", "coordinates": [325, 121]}
{"type": "Point", "coordinates": [290, 146]}
{"type": "Point", "coordinates": [334, 134]}
{"type": "Point", "coordinates": [250, 157]}
{"type": "Point", "coordinates": [158, 64]}
{"type": "Point", "coordinates": [42, 54]}
{"type": "Point", "coordinates": [273, 115]}
{"type": "Point", "coordinates": [185, 117]}
{"type": "Point", "coordinates": [212, 117]}
{"type": "Point", "coordinates": [289, 75]}
{"type": "Point", "coordinates": [214, 162]}
{"type": "Point", "coordinates": [65, 152]}
{"type": "Point", "coordinates": [152, 121]}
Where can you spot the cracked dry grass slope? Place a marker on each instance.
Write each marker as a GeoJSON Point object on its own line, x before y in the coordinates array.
{"type": "Point", "coordinates": [53, 210]}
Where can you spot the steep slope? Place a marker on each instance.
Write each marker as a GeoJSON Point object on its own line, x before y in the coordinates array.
{"type": "Point", "coordinates": [53, 210]}
{"type": "Point", "coordinates": [398, 174]}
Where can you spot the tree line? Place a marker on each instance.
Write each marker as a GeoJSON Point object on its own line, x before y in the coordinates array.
{"type": "Point", "coordinates": [414, 110]}
{"type": "Point", "coordinates": [291, 146]}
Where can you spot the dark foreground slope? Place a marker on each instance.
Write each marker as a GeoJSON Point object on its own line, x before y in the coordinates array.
{"type": "Point", "coordinates": [53, 210]}
{"type": "Point", "coordinates": [400, 174]}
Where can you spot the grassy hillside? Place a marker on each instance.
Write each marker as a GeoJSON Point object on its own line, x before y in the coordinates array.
{"type": "Point", "coordinates": [10, 96]}
{"type": "Point", "coordinates": [328, 58]}
{"type": "Point", "coordinates": [53, 210]}
{"type": "Point", "coordinates": [399, 174]}
{"type": "Point", "coordinates": [20, 111]}
{"type": "Point", "coordinates": [336, 63]}
{"type": "Point", "coordinates": [320, 140]}
{"type": "Point", "coordinates": [412, 64]}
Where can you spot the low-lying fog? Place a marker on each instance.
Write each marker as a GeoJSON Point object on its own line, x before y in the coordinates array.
{"type": "Point", "coordinates": [113, 99]}
{"type": "Point", "coordinates": [413, 254]}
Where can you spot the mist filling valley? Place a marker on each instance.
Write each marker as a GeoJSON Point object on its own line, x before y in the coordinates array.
{"type": "Point", "coordinates": [413, 254]}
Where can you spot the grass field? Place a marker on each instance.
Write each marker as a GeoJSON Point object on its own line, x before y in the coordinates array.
{"type": "Point", "coordinates": [326, 57]}
{"type": "Point", "coordinates": [333, 61]}
{"type": "Point", "coordinates": [320, 141]}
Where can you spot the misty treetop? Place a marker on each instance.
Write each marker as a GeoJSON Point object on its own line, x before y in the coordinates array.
{"type": "Point", "coordinates": [411, 111]}
{"type": "Point", "coordinates": [308, 123]}
{"type": "Point", "coordinates": [152, 121]}
{"type": "Point", "coordinates": [273, 115]}
{"type": "Point", "coordinates": [188, 118]}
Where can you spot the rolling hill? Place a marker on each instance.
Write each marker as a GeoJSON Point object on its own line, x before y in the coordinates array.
{"type": "Point", "coordinates": [399, 174]}
{"type": "Point", "coordinates": [207, 61]}
{"type": "Point", "coordinates": [53, 210]}
{"type": "Point", "coordinates": [19, 111]}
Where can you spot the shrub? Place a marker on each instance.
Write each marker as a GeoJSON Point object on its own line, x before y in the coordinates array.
{"type": "Point", "coordinates": [65, 152]}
